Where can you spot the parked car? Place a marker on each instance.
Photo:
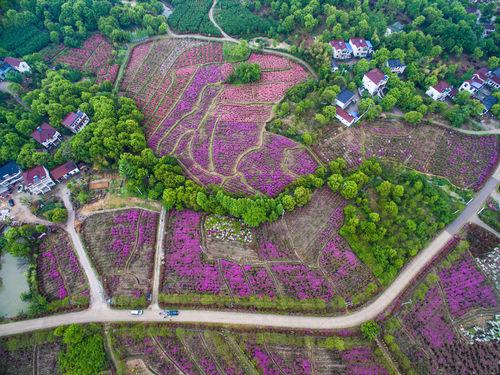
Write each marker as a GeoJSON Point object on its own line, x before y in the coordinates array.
{"type": "Point", "coordinates": [136, 312]}
{"type": "Point", "coordinates": [12, 203]}
{"type": "Point", "coordinates": [170, 312]}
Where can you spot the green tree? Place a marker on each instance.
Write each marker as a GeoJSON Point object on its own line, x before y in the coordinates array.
{"type": "Point", "coordinates": [370, 330]}
{"type": "Point", "coordinates": [245, 73]}
{"type": "Point", "coordinates": [413, 117]}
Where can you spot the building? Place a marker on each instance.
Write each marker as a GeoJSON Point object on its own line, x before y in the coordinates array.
{"type": "Point", "coordinates": [76, 121]}
{"type": "Point", "coordinates": [472, 85]}
{"type": "Point", "coordinates": [360, 47]}
{"type": "Point", "coordinates": [488, 102]}
{"type": "Point", "coordinates": [374, 81]}
{"type": "Point", "coordinates": [345, 98]}
{"type": "Point", "coordinates": [341, 50]}
{"type": "Point", "coordinates": [344, 117]}
{"type": "Point", "coordinates": [439, 91]}
{"type": "Point", "coordinates": [494, 79]}
{"type": "Point", "coordinates": [37, 180]}
{"type": "Point", "coordinates": [46, 135]}
{"type": "Point", "coordinates": [489, 29]}
{"type": "Point", "coordinates": [396, 66]}
{"type": "Point", "coordinates": [4, 69]}
{"type": "Point", "coordinates": [64, 171]}
{"type": "Point", "coordinates": [396, 27]}
{"type": "Point", "coordinates": [19, 65]}
{"type": "Point", "coordinates": [10, 174]}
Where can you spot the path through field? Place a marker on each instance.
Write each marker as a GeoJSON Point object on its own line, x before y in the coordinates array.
{"type": "Point", "coordinates": [99, 313]}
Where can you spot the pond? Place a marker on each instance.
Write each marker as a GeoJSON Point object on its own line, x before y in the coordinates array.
{"type": "Point", "coordinates": [13, 283]}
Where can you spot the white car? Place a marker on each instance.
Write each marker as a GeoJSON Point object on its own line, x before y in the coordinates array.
{"type": "Point", "coordinates": [136, 312]}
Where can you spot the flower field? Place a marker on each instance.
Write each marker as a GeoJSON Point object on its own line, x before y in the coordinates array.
{"type": "Point", "coordinates": [94, 56]}
{"type": "Point", "coordinates": [430, 333]}
{"type": "Point", "coordinates": [121, 245]}
{"type": "Point", "coordinates": [212, 352]}
{"type": "Point", "coordinates": [34, 359]}
{"type": "Point", "coordinates": [225, 260]}
{"type": "Point", "coordinates": [466, 160]}
{"type": "Point", "coordinates": [58, 269]}
{"type": "Point", "coordinates": [215, 130]}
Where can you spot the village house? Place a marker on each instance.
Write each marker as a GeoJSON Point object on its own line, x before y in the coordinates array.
{"type": "Point", "coordinates": [344, 117]}
{"type": "Point", "coordinates": [474, 84]}
{"type": "Point", "coordinates": [19, 65]}
{"type": "Point", "coordinates": [488, 102]}
{"type": "Point", "coordinates": [396, 66]}
{"type": "Point", "coordinates": [360, 47]}
{"type": "Point", "coordinates": [374, 81]}
{"type": "Point", "coordinates": [341, 50]}
{"type": "Point", "coordinates": [76, 121]}
{"type": "Point", "coordinates": [10, 174]}
{"type": "Point", "coordinates": [396, 27]}
{"type": "Point", "coordinates": [494, 79]}
{"type": "Point", "coordinates": [489, 29]}
{"type": "Point", "coordinates": [439, 91]}
{"type": "Point", "coordinates": [345, 98]}
{"type": "Point", "coordinates": [64, 171]}
{"type": "Point", "coordinates": [37, 180]}
{"type": "Point", "coordinates": [46, 135]}
{"type": "Point", "coordinates": [4, 69]}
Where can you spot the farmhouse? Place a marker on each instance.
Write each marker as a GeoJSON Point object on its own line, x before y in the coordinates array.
{"type": "Point", "coordinates": [4, 69]}
{"type": "Point", "coordinates": [396, 66]}
{"type": "Point", "coordinates": [64, 171]}
{"type": "Point", "coordinates": [345, 98]}
{"type": "Point", "coordinates": [344, 117]}
{"type": "Point", "coordinates": [472, 85]}
{"type": "Point", "coordinates": [76, 121]}
{"type": "Point", "coordinates": [439, 91]}
{"type": "Point", "coordinates": [10, 174]}
{"type": "Point", "coordinates": [488, 102]}
{"type": "Point", "coordinates": [489, 29]}
{"type": "Point", "coordinates": [360, 47]}
{"type": "Point", "coordinates": [374, 81]}
{"type": "Point", "coordinates": [46, 135]}
{"type": "Point", "coordinates": [341, 50]}
{"type": "Point", "coordinates": [494, 79]}
{"type": "Point", "coordinates": [37, 180]}
{"type": "Point", "coordinates": [19, 65]}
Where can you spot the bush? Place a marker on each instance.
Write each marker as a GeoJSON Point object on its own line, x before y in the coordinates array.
{"type": "Point", "coordinates": [236, 52]}
{"type": "Point", "coordinates": [245, 73]}
{"type": "Point", "coordinates": [57, 215]}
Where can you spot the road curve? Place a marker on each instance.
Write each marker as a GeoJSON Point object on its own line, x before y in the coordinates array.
{"type": "Point", "coordinates": [102, 313]}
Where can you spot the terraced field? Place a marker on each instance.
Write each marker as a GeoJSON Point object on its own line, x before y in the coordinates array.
{"type": "Point", "coordinates": [216, 130]}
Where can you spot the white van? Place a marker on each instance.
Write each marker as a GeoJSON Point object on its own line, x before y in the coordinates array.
{"type": "Point", "coordinates": [136, 312]}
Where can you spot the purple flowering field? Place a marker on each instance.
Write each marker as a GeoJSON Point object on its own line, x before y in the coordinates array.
{"type": "Point", "coordinates": [121, 245]}
{"type": "Point", "coordinates": [433, 323]}
{"type": "Point", "coordinates": [216, 130]}
{"type": "Point", "coordinates": [269, 264]}
{"type": "Point", "coordinates": [466, 160]}
{"type": "Point", "coordinates": [58, 269]}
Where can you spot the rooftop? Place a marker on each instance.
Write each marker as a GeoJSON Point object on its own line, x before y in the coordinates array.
{"type": "Point", "coordinates": [344, 114]}
{"type": "Point", "coordinates": [63, 169]}
{"type": "Point", "coordinates": [9, 169]}
{"type": "Point", "coordinates": [358, 42]}
{"type": "Point", "coordinates": [395, 63]}
{"type": "Point", "coordinates": [375, 75]}
{"type": "Point", "coordinates": [69, 119]}
{"type": "Point", "coordinates": [345, 95]}
{"type": "Point", "coordinates": [441, 87]}
{"type": "Point", "coordinates": [34, 175]}
{"type": "Point", "coordinates": [338, 44]}
{"type": "Point", "coordinates": [489, 102]}
{"type": "Point", "coordinates": [43, 133]}
{"type": "Point", "coordinates": [12, 61]}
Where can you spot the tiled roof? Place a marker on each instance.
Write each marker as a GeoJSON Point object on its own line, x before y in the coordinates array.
{"type": "Point", "coordinates": [36, 173]}
{"type": "Point", "coordinates": [394, 63]}
{"type": "Point", "coordinates": [441, 87]}
{"type": "Point", "coordinates": [375, 75]}
{"type": "Point", "coordinates": [338, 44]}
{"type": "Point", "coordinates": [12, 61]}
{"type": "Point", "coordinates": [358, 42]}
{"type": "Point", "coordinates": [43, 132]}
{"type": "Point", "coordinates": [69, 119]}
{"type": "Point", "coordinates": [345, 95]}
{"type": "Point", "coordinates": [342, 113]}
{"type": "Point", "coordinates": [9, 169]}
{"type": "Point", "coordinates": [63, 169]}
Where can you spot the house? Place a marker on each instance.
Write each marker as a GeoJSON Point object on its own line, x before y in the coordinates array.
{"type": "Point", "coordinates": [76, 121]}
{"type": "Point", "coordinates": [489, 29]}
{"type": "Point", "coordinates": [494, 79]}
{"type": "Point", "coordinates": [396, 66]}
{"type": "Point", "coordinates": [488, 102]}
{"type": "Point", "coordinates": [344, 117]}
{"type": "Point", "coordinates": [345, 98]}
{"type": "Point", "coordinates": [10, 174]}
{"type": "Point", "coordinates": [341, 50]}
{"type": "Point", "coordinates": [4, 69]}
{"type": "Point", "coordinates": [37, 180]}
{"type": "Point", "coordinates": [439, 91]}
{"type": "Point", "coordinates": [360, 47]}
{"type": "Point", "coordinates": [453, 93]}
{"type": "Point", "coordinates": [472, 85]}
{"type": "Point", "coordinates": [374, 81]}
{"type": "Point", "coordinates": [334, 66]}
{"type": "Point", "coordinates": [396, 27]}
{"type": "Point", "coordinates": [64, 171]}
{"type": "Point", "coordinates": [46, 135]}
{"type": "Point", "coordinates": [19, 65]}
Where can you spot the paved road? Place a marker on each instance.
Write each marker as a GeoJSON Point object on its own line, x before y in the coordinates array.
{"type": "Point", "coordinates": [99, 312]}
{"type": "Point", "coordinates": [158, 258]}
{"type": "Point", "coordinates": [96, 290]}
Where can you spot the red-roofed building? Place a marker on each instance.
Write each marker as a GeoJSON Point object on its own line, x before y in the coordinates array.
{"type": "Point", "coordinates": [439, 91]}
{"type": "Point", "coordinates": [19, 65]}
{"type": "Point", "coordinates": [76, 121]}
{"type": "Point", "coordinates": [360, 47]}
{"type": "Point", "coordinates": [37, 180]}
{"type": "Point", "coordinates": [344, 117]}
{"type": "Point", "coordinates": [46, 135]}
{"type": "Point", "coordinates": [476, 82]}
{"type": "Point", "coordinates": [64, 171]}
{"type": "Point", "coordinates": [374, 81]}
{"type": "Point", "coordinates": [340, 50]}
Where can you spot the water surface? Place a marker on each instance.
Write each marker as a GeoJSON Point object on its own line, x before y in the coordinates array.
{"type": "Point", "coordinates": [13, 283]}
